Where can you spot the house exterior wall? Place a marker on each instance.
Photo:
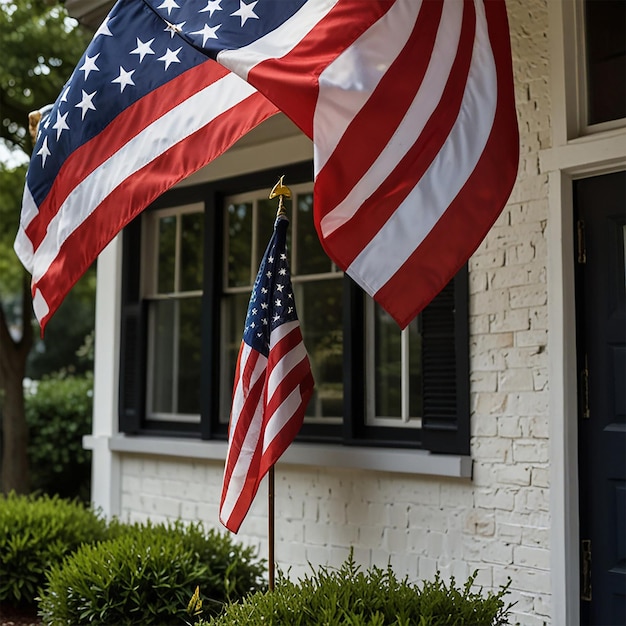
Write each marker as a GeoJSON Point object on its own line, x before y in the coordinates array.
{"type": "Point", "coordinates": [498, 521]}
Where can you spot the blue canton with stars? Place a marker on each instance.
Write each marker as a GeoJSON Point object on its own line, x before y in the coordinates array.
{"type": "Point", "coordinates": [215, 25]}
{"type": "Point", "coordinates": [272, 302]}
{"type": "Point", "coordinates": [141, 46]}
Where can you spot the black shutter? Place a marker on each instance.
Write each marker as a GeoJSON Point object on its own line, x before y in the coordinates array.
{"type": "Point", "coordinates": [445, 360]}
{"type": "Point", "coordinates": [132, 344]}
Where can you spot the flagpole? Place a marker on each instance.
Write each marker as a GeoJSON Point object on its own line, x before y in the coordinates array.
{"type": "Point", "coordinates": [279, 191]}
{"type": "Point", "coordinates": [270, 527]}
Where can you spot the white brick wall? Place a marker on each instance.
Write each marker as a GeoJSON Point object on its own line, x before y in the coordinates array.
{"type": "Point", "coordinates": [499, 522]}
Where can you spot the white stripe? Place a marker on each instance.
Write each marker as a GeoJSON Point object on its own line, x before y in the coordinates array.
{"type": "Point", "coordinates": [281, 417]}
{"type": "Point", "coordinates": [23, 246]}
{"type": "Point", "coordinates": [412, 125]}
{"type": "Point", "coordinates": [279, 42]}
{"type": "Point", "coordinates": [405, 230]}
{"type": "Point", "coordinates": [349, 81]}
{"type": "Point", "coordinates": [288, 362]}
{"type": "Point", "coordinates": [40, 306]}
{"type": "Point", "coordinates": [242, 465]}
{"type": "Point", "coordinates": [239, 393]}
{"type": "Point", "coordinates": [173, 127]}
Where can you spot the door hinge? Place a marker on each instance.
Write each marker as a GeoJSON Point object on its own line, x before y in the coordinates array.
{"type": "Point", "coordinates": [582, 248]}
{"type": "Point", "coordinates": [584, 391]}
{"type": "Point", "coordinates": [585, 570]}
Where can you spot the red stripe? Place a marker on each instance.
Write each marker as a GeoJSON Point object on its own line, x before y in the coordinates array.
{"type": "Point", "coordinates": [369, 132]}
{"type": "Point", "coordinates": [291, 82]}
{"type": "Point", "coordinates": [346, 242]}
{"type": "Point", "coordinates": [130, 198]}
{"type": "Point", "coordinates": [289, 382]}
{"type": "Point", "coordinates": [470, 216]}
{"type": "Point", "coordinates": [128, 124]}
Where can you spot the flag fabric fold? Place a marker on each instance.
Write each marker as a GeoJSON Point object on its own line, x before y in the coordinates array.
{"type": "Point", "coordinates": [409, 104]}
{"type": "Point", "coordinates": [273, 383]}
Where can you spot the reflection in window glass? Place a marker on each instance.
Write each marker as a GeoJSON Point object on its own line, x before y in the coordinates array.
{"type": "Point", "coordinates": [188, 400]}
{"type": "Point", "coordinates": [166, 254]}
{"type": "Point", "coordinates": [310, 256]}
{"type": "Point", "coordinates": [396, 377]}
{"type": "Point", "coordinates": [162, 363]}
{"type": "Point", "coordinates": [191, 253]}
{"type": "Point", "coordinates": [235, 308]}
{"type": "Point", "coordinates": [605, 26]}
{"type": "Point", "coordinates": [239, 225]}
{"type": "Point", "coordinates": [320, 311]}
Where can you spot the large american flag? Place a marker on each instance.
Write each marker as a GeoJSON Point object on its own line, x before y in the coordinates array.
{"type": "Point", "coordinates": [409, 104]}
{"type": "Point", "coordinates": [273, 383]}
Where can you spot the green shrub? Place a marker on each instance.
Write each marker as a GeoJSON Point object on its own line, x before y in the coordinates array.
{"type": "Point", "coordinates": [58, 411]}
{"type": "Point", "coordinates": [147, 574]}
{"type": "Point", "coordinates": [349, 596]}
{"type": "Point", "coordinates": [35, 533]}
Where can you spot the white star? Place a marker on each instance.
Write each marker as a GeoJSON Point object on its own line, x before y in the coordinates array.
{"type": "Point", "coordinates": [246, 11]}
{"type": "Point", "coordinates": [64, 94]}
{"type": "Point", "coordinates": [263, 289]}
{"type": "Point", "coordinates": [169, 5]}
{"type": "Point", "coordinates": [60, 125]}
{"type": "Point", "coordinates": [174, 29]}
{"type": "Point", "coordinates": [264, 305]}
{"type": "Point", "coordinates": [283, 256]}
{"type": "Point", "coordinates": [268, 274]}
{"type": "Point", "coordinates": [170, 57]}
{"type": "Point", "coordinates": [270, 259]}
{"type": "Point", "coordinates": [282, 271]}
{"type": "Point", "coordinates": [278, 302]}
{"type": "Point", "coordinates": [104, 29]}
{"type": "Point", "coordinates": [275, 318]}
{"type": "Point", "coordinates": [264, 320]}
{"type": "Point", "coordinates": [90, 65]}
{"type": "Point", "coordinates": [143, 48]}
{"type": "Point", "coordinates": [86, 103]}
{"type": "Point", "coordinates": [211, 7]}
{"type": "Point", "coordinates": [124, 79]}
{"type": "Point", "coordinates": [44, 152]}
{"type": "Point", "coordinates": [207, 32]}
{"type": "Point", "coordinates": [280, 287]}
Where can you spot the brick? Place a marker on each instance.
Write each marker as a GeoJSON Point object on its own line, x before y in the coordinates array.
{"type": "Point", "coordinates": [480, 522]}
{"type": "Point", "coordinates": [531, 451]}
{"type": "Point", "coordinates": [537, 558]}
{"type": "Point", "coordinates": [489, 403]}
{"type": "Point", "coordinates": [515, 380]}
{"type": "Point", "coordinates": [491, 449]}
{"type": "Point", "coordinates": [484, 381]}
{"type": "Point", "coordinates": [484, 426]}
{"type": "Point", "coordinates": [508, 319]}
{"type": "Point", "coordinates": [513, 475]}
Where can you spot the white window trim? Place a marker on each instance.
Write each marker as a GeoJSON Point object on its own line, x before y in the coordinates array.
{"type": "Point", "coordinates": [395, 460]}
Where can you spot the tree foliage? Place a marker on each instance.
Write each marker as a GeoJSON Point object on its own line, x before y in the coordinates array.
{"type": "Point", "coordinates": [39, 46]}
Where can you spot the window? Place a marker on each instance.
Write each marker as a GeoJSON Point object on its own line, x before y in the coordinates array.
{"type": "Point", "coordinates": [605, 34]}
{"type": "Point", "coordinates": [189, 265]}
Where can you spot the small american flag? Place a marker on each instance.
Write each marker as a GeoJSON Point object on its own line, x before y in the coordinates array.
{"type": "Point", "coordinates": [273, 383]}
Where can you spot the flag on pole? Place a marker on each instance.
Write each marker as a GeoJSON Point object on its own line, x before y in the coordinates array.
{"type": "Point", "coordinates": [409, 104]}
{"type": "Point", "coordinates": [273, 383]}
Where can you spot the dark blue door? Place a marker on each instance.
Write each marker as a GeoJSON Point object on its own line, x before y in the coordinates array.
{"type": "Point", "coordinates": [601, 347]}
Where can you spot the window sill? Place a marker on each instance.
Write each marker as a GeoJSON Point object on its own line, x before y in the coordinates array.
{"type": "Point", "coordinates": [320, 455]}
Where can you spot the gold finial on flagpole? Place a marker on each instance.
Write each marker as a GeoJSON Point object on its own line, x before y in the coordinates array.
{"type": "Point", "coordinates": [281, 191]}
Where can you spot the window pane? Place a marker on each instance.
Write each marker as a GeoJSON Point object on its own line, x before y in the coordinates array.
{"type": "Point", "coordinates": [320, 311]}
{"type": "Point", "coordinates": [167, 254]}
{"type": "Point", "coordinates": [398, 394]}
{"type": "Point", "coordinates": [192, 242]}
{"type": "Point", "coordinates": [311, 258]}
{"type": "Point", "coordinates": [235, 308]}
{"type": "Point", "coordinates": [605, 22]}
{"type": "Point", "coordinates": [415, 391]}
{"type": "Point", "coordinates": [189, 356]}
{"type": "Point", "coordinates": [388, 386]}
{"type": "Point", "coordinates": [265, 227]}
{"type": "Point", "coordinates": [162, 351]}
{"type": "Point", "coordinates": [239, 244]}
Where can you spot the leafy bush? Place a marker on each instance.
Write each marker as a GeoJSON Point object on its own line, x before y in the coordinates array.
{"type": "Point", "coordinates": [35, 533]}
{"type": "Point", "coordinates": [372, 598]}
{"type": "Point", "coordinates": [58, 412]}
{"type": "Point", "coordinates": [147, 574]}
